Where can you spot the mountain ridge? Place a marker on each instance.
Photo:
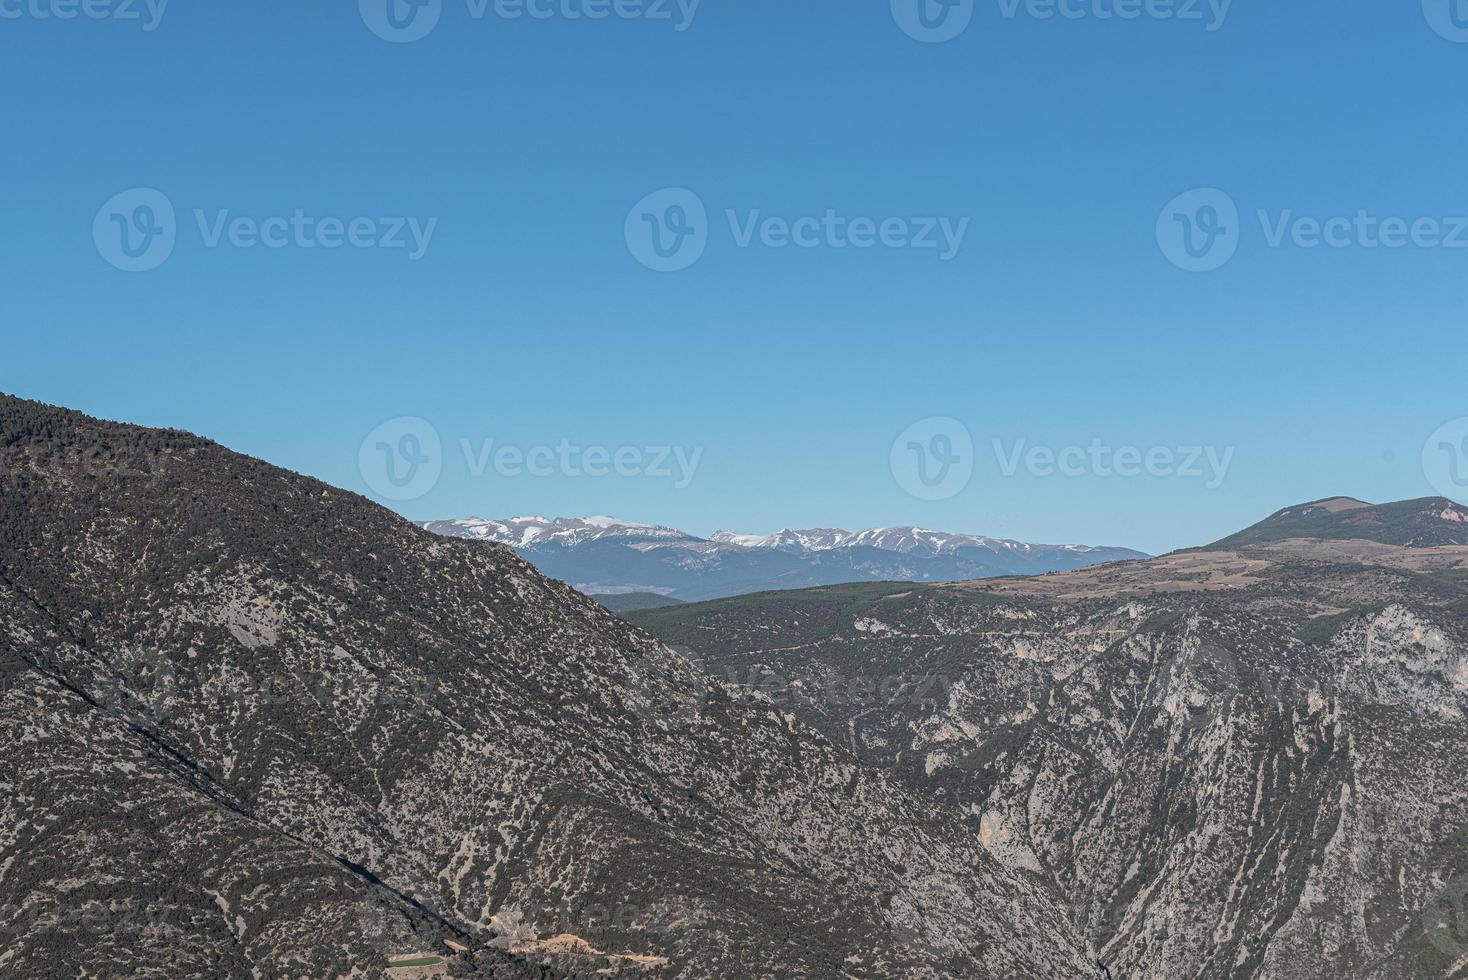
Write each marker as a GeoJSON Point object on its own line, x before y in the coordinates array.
{"type": "Point", "coordinates": [602, 555]}
{"type": "Point", "coordinates": [1418, 523]}
{"type": "Point", "coordinates": [308, 737]}
{"type": "Point", "coordinates": [531, 530]}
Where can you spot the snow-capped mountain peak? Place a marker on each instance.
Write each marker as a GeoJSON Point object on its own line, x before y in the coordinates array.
{"type": "Point", "coordinates": [602, 555]}
{"type": "Point", "coordinates": [527, 532]}
{"type": "Point", "coordinates": [903, 540]}
{"type": "Point", "coordinates": [786, 539]}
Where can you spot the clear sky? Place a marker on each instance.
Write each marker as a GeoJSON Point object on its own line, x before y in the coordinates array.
{"type": "Point", "coordinates": [1059, 310]}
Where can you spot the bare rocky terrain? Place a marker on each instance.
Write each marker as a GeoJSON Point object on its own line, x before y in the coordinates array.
{"type": "Point", "coordinates": [1239, 762]}
{"type": "Point", "coordinates": [255, 726]}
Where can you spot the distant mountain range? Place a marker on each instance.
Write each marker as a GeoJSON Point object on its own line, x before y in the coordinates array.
{"type": "Point", "coordinates": [605, 556]}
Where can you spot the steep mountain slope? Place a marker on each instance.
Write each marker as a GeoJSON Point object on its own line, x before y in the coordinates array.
{"type": "Point", "coordinates": [346, 739]}
{"type": "Point", "coordinates": [1236, 764]}
{"type": "Point", "coordinates": [1426, 523]}
{"type": "Point", "coordinates": [604, 556]}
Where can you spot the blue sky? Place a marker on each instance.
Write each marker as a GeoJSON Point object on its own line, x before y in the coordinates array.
{"type": "Point", "coordinates": [1062, 321]}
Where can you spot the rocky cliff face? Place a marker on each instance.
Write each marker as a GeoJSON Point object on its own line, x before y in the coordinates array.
{"type": "Point", "coordinates": [1230, 764]}
{"type": "Point", "coordinates": [283, 733]}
